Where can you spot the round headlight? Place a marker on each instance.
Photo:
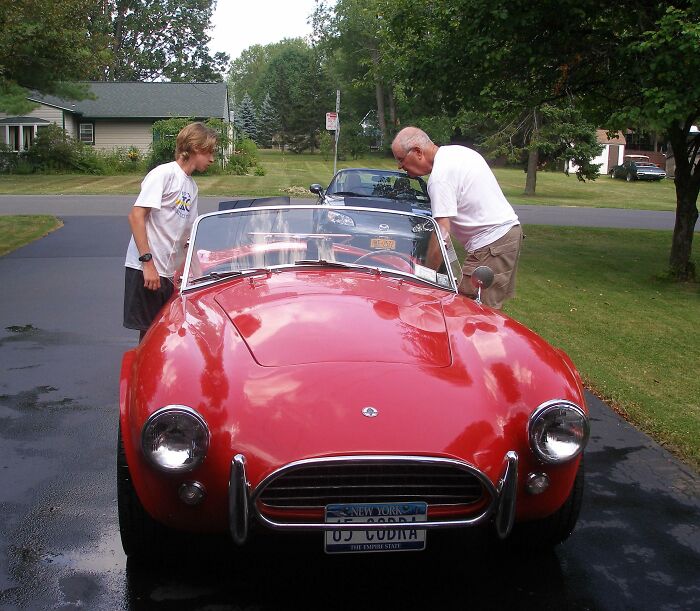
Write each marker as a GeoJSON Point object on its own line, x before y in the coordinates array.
{"type": "Point", "coordinates": [558, 431]}
{"type": "Point", "coordinates": [175, 438]}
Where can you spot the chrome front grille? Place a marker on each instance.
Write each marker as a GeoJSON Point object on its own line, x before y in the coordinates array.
{"type": "Point", "coordinates": [317, 483]}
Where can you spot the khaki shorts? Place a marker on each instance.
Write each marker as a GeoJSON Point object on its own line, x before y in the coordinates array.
{"type": "Point", "coordinates": [502, 257]}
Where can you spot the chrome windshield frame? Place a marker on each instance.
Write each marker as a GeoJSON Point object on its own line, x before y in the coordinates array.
{"type": "Point", "coordinates": [186, 288]}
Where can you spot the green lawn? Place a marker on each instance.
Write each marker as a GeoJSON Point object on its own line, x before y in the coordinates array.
{"type": "Point", "coordinates": [291, 174]}
{"type": "Point", "coordinates": [600, 295]}
{"type": "Point", "coordinates": [16, 231]}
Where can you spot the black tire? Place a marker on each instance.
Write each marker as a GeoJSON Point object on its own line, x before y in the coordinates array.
{"type": "Point", "coordinates": [629, 177]}
{"type": "Point", "coordinates": [554, 529]}
{"type": "Point", "coordinates": [141, 535]}
{"type": "Point", "coordinates": [611, 173]}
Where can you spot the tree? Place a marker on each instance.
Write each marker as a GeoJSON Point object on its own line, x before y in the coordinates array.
{"type": "Point", "coordinates": [349, 34]}
{"type": "Point", "coordinates": [246, 118]}
{"type": "Point", "coordinates": [159, 39]}
{"type": "Point", "coordinates": [268, 122]}
{"type": "Point", "coordinates": [300, 91]}
{"type": "Point", "coordinates": [297, 83]}
{"type": "Point", "coordinates": [247, 70]}
{"type": "Point", "coordinates": [43, 45]}
{"type": "Point", "coordinates": [620, 63]}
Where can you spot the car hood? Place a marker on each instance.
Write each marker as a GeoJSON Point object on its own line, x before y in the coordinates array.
{"type": "Point", "coordinates": [298, 317]}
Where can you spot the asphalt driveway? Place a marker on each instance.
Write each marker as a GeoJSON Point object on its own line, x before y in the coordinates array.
{"type": "Point", "coordinates": [637, 545]}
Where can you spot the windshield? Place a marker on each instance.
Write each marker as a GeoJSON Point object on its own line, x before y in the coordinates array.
{"type": "Point", "coordinates": [379, 183]}
{"type": "Point", "coordinates": [254, 240]}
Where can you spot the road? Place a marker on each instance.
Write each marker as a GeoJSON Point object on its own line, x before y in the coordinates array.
{"type": "Point", "coordinates": [637, 545]}
{"type": "Point", "coordinates": [118, 205]}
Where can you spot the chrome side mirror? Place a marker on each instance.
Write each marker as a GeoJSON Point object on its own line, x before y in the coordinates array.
{"type": "Point", "coordinates": [481, 278]}
{"type": "Point", "coordinates": [317, 189]}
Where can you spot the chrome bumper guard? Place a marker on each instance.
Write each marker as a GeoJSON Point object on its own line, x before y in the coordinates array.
{"type": "Point", "coordinates": [502, 503]}
{"type": "Point", "coordinates": [238, 501]}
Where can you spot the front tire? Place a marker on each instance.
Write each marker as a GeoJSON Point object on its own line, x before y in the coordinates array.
{"type": "Point", "coordinates": [141, 535]}
{"type": "Point", "coordinates": [554, 529]}
{"type": "Point", "coordinates": [629, 177]}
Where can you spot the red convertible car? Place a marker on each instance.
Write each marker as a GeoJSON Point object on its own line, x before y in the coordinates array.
{"type": "Point", "coordinates": [317, 371]}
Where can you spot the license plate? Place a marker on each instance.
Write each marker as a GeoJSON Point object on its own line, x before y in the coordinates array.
{"type": "Point", "coordinates": [353, 541]}
{"type": "Point", "coordinates": [382, 243]}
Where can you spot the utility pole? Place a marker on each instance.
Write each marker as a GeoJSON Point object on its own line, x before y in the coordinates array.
{"type": "Point", "coordinates": [337, 129]}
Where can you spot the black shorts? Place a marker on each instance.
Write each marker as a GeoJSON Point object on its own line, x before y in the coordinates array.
{"type": "Point", "coordinates": [141, 305]}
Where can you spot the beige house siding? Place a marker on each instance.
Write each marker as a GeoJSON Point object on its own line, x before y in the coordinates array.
{"type": "Point", "coordinates": [110, 135]}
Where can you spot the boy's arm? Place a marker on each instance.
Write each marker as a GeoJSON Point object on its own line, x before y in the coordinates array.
{"type": "Point", "coordinates": [137, 220]}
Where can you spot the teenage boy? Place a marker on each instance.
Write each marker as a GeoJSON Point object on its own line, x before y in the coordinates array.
{"type": "Point", "coordinates": [160, 221]}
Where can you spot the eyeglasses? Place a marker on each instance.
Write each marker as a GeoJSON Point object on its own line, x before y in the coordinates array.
{"type": "Point", "coordinates": [402, 159]}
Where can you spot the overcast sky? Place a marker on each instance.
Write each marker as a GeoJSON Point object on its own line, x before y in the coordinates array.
{"type": "Point", "coordinates": [238, 24]}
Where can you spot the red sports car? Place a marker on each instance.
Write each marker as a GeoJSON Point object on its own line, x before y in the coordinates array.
{"type": "Point", "coordinates": [318, 371]}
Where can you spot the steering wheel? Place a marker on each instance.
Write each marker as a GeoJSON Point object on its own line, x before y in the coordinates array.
{"type": "Point", "coordinates": [385, 251]}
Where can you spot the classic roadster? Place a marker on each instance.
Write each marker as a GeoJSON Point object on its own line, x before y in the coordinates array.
{"type": "Point", "coordinates": [310, 378]}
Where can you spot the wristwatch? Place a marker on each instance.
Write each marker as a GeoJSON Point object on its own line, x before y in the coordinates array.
{"type": "Point", "coordinates": [145, 257]}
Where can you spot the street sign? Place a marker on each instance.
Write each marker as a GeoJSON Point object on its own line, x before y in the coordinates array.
{"type": "Point", "coordinates": [332, 121]}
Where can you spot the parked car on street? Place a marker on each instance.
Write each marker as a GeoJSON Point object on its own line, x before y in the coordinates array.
{"type": "Point", "coordinates": [637, 167]}
{"type": "Point", "coordinates": [310, 377]}
{"type": "Point", "coordinates": [375, 188]}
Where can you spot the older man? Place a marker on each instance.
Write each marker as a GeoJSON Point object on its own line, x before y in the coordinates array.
{"type": "Point", "coordinates": [468, 204]}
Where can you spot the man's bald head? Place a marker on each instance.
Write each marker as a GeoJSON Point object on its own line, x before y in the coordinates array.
{"type": "Point", "coordinates": [414, 151]}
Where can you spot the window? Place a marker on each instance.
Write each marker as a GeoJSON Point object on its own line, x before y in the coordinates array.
{"type": "Point", "coordinates": [86, 133]}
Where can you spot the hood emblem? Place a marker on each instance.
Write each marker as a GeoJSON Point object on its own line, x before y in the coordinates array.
{"type": "Point", "coordinates": [370, 412]}
{"type": "Point", "coordinates": [383, 227]}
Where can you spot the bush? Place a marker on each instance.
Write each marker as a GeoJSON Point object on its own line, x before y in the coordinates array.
{"type": "Point", "coordinates": [165, 133]}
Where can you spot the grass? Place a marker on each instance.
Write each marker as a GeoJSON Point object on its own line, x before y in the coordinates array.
{"type": "Point", "coordinates": [16, 231]}
{"type": "Point", "coordinates": [291, 174]}
{"type": "Point", "coordinates": [601, 296]}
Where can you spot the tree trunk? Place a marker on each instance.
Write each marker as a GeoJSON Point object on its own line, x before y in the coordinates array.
{"type": "Point", "coordinates": [392, 111]}
{"type": "Point", "coordinates": [687, 188]}
{"type": "Point", "coordinates": [533, 158]}
{"type": "Point", "coordinates": [379, 92]}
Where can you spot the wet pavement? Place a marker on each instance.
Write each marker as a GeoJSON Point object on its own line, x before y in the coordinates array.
{"type": "Point", "coordinates": [637, 545]}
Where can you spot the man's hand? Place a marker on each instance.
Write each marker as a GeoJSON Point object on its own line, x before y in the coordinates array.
{"type": "Point", "coordinates": [151, 279]}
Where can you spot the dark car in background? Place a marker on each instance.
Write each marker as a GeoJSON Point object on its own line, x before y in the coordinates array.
{"type": "Point", "coordinates": [637, 167]}
{"type": "Point", "coordinates": [373, 188]}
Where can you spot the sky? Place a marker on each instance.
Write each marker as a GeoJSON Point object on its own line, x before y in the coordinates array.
{"type": "Point", "coordinates": [238, 24]}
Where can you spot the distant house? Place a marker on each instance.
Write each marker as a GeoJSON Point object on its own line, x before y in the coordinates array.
{"type": "Point", "coordinates": [613, 150]}
{"type": "Point", "coordinates": [120, 116]}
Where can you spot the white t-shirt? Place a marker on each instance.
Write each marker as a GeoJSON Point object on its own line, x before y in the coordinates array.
{"type": "Point", "coordinates": [172, 196]}
{"type": "Point", "coordinates": [463, 188]}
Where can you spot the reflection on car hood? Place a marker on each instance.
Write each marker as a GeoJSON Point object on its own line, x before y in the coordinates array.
{"type": "Point", "coordinates": [314, 317]}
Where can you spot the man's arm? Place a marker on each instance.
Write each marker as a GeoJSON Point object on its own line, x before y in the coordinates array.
{"type": "Point", "coordinates": [137, 220]}
{"type": "Point", "coordinates": [434, 258]}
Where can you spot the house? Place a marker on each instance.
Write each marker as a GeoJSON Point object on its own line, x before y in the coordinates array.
{"type": "Point", "coordinates": [613, 150]}
{"type": "Point", "coordinates": [121, 115]}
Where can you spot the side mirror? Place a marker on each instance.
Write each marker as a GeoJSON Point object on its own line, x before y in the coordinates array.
{"type": "Point", "coordinates": [481, 278]}
{"type": "Point", "coordinates": [317, 189]}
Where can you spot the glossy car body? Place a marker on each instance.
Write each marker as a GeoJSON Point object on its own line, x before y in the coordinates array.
{"type": "Point", "coordinates": [376, 188]}
{"type": "Point", "coordinates": [637, 168]}
{"type": "Point", "coordinates": [303, 372]}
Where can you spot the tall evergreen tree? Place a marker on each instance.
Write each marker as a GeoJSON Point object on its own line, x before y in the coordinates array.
{"type": "Point", "coordinates": [268, 122]}
{"type": "Point", "coordinates": [246, 118]}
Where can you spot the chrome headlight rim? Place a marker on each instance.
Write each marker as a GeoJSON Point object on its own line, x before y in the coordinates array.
{"type": "Point", "coordinates": [541, 412]}
{"type": "Point", "coordinates": [170, 410]}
